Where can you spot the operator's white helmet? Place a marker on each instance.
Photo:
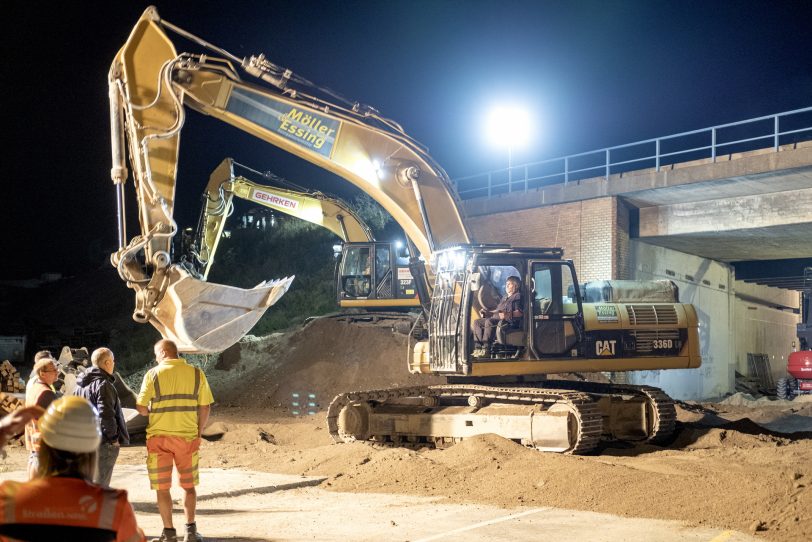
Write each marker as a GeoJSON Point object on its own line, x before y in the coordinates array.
{"type": "Point", "coordinates": [71, 424]}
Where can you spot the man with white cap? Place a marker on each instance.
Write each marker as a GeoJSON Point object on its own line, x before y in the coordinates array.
{"type": "Point", "coordinates": [63, 503]}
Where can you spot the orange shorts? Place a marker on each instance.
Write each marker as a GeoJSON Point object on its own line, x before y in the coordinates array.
{"type": "Point", "coordinates": [163, 452]}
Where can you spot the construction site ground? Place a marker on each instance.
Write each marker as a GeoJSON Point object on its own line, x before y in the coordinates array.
{"type": "Point", "coordinates": [740, 469]}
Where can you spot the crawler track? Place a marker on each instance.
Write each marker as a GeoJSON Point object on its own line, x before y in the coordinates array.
{"type": "Point", "coordinates": [661, 406]}
{"type": "Point", "coordinates": [588, 422]}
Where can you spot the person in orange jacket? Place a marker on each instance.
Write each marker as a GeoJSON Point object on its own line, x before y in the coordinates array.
{"type": "Point", "coordinates": [63, 503]}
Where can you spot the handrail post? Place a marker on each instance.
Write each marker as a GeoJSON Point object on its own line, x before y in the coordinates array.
{"type": "Point", "coordinates": [713, 144]}
{"type": "Point", "coordinates": [657, 155]}
{"type": "Point", "coordinates": [566, 169]}
{"type": "Point", "coordinates": [776, 133]}
{"type": "Point", "coordinates": [490, 183]}
{"type": "Point", "coordinates": [607, 165]}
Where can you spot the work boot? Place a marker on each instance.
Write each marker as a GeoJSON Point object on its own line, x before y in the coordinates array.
{"type": "Point", "coordinates": [191, 533]}
{"type": "Point", "coordinates": [167, 535]}
{"type": "Point", "coordinates": [483, 352]}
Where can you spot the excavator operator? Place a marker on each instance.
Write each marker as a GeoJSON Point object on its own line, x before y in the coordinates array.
{"type": "Point", "coordinates": [508, 313]}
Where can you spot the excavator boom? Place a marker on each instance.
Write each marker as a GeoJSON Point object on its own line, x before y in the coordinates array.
{"type": "Point", "coordinates": [151, 87]}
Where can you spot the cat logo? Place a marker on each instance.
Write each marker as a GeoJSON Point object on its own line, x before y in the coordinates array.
{"type": "Point", "coordinates": [605, 348]}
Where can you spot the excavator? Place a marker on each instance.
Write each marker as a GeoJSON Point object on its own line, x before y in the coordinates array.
{"type": "Point", "coordinates": [370, 274]}
{"type": "Point", "coordinates": [505, 392]}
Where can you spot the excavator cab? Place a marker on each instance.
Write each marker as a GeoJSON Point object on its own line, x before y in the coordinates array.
{"type": "Point", "coordinates": [375, 275]}
{"type": "Point", "coordinates": [552, 320]}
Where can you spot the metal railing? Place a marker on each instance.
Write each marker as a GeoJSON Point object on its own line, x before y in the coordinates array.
{"type": "Point", "coordinates": [747, 135]}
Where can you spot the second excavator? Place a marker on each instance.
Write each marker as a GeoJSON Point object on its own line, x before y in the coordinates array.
{"type": "Point", "coordinates": [369, 274]}
{"type": "Point", "coordinates": [552, 330]}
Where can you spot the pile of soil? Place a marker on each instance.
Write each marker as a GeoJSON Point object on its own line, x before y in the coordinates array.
{"type": "Point", "coordinates": [326, 357]}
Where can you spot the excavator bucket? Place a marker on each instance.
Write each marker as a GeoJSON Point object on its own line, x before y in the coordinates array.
{"type": "Point", "coordinates": [202, 317]}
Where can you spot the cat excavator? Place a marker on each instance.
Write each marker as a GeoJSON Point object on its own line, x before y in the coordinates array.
{"type": "Point", "coordinates": [504, 392]}
{"type": "Point", "coordinates": [370, 274]}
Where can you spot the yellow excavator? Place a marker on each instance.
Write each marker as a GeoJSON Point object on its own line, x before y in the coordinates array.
{"type": "Point", "coordinates": [370, 274]}
{"type": "Point", "coordinates": [503, 392]}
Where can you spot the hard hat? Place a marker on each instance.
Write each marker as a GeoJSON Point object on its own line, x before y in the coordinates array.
{"type": "Point", "coordinates": [71, 424]}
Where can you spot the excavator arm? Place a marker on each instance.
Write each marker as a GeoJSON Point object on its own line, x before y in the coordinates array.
{"type": "Point", "coordinates": [314, 207]}
{"type": "Point", "coordinates": [151, 87]}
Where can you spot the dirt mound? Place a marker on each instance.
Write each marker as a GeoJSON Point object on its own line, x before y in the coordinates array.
{"type": "Point", "coordinates": [324, 358]}
{"type": "Point", "coordinates": [693, 438]}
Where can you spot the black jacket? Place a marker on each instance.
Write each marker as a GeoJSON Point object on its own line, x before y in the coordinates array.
{"type": "Point", "coordinates": [98, 387]}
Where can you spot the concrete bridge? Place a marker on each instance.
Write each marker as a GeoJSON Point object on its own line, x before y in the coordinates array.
{"type": "Point", "coordinates": [696, 221]}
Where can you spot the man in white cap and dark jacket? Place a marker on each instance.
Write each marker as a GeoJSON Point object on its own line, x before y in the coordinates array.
{"type": "Point", "coordinates": [97, 385]}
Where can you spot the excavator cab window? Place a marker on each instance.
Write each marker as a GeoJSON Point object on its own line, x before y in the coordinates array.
{"type": "Point", "coordinates": [555, 312]}
{"type": "Point", "coordinates": [356, 271]}
{"type": "Point", "coordinates": [401, 255]}
{"type": "Point", "coordinates": [382, 263]}
{"type": "Point", "coordinates": [383, 271]}
{"type": "Point", "coordinates": [375, 271]}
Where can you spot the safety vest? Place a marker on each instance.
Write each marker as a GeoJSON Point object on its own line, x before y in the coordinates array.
{"type": "Point", "coordinates": [174, 390]}
{"type": "Point", "coordinates": [43, 506]}
{"type": "Point", "coordinates": [32, 394]}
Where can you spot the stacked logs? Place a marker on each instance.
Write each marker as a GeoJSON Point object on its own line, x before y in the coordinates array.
{"type": "Point", "coordinates": [10, 382]}
{"type": "Point", "coordinates": [10, 378]}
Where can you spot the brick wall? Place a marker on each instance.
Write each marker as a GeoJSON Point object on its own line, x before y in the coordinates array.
{"type": "Point", "coordinates": [593, 233]}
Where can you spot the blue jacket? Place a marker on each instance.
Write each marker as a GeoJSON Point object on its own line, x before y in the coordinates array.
{"type": "Point", "coordinates": [98, 387]}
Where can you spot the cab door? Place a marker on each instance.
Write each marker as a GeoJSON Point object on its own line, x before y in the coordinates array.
{"type": "Point", "coordinates": [355, 271]}
{"type": "Point", "coordinates": [556, 311]}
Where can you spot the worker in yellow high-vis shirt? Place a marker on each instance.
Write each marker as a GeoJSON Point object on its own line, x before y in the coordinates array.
{"type": "Point", "coordinates": [177, 398]}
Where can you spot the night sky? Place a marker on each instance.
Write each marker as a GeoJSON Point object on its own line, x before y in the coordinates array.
{"type": "Point", "coordinates": [595, 73]}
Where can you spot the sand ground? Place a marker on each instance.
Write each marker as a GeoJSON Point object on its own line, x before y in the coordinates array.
{"type": "Point", "coordinates": [743, 464]}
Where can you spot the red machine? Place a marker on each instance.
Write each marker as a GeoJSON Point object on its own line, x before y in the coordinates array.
{"type": "Point", "coordinates": [799, 367]}
{"type": "Point", "coordinates": [799, 364]}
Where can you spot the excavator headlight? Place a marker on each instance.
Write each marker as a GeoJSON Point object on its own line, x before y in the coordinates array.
{"type": "Point", "coordinates": [451, 260]}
